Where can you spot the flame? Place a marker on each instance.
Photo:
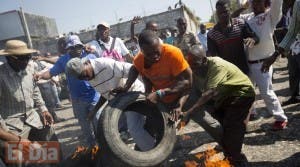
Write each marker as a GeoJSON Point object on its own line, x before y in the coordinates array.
{"type": "Point", "coordinates": [199, 155]}
{"type": "Point", "coordinates": [191, 164]}
{"type": "Point", "coordinates": [181, 125]}
{"type": "Point", "coordinates": [94, 151]}
{"type": "Point", "coordinates": [213, 160]}
{"type": "Point", "coordinates": [209, 158]}
{"type": "Point", "coordinates": [86, 150]}
{"type": "Point", "coordinates": [78, 150]}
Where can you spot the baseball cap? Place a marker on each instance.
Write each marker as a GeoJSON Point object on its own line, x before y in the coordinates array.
{"type": "Point", "coordinates": [75, 67]}
{"type": "Point", "coordinates": [105, 24]}
{"type": "Point", "coordinates": [73, 40]}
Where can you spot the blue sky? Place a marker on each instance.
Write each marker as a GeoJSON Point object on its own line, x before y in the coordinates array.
{"type": "Point", "coordinates": [73, 15]}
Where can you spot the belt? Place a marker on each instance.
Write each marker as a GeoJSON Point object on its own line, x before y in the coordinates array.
{"type": "Point", "coordinates": [256, 61]}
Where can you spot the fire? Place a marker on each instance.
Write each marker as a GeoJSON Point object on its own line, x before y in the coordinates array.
{"type": "Point", "coordinates": [191, 164]}
{"type": "Point", "coordinates": [181, 125]}
{"type": "Point", "coordinates": [78, 150]}
{"type": "Point", "coordinates": [85, 150]}
{"type": "Point", "coordinates": [213, 160]}
{"type": "Point", "coordinates": [209, 158]}
{"type": "Point", "coordinates": [94, 152]}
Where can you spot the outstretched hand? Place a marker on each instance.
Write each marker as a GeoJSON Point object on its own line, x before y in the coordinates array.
{"type": "Point", "coordinates": [136, 19]}
{"type": "Point", "coordinates": [249, 42]}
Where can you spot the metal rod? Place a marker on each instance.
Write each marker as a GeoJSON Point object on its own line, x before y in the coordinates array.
{"type": "Point", "coordinates": [25, 26]}
{"type": "Point", "coordinates": [212, 10]}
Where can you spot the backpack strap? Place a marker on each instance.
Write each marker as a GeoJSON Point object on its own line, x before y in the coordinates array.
{"type": "Point", "coordinates": [101, 45]}
{"type": "Point", "coordinates": [113, 44]}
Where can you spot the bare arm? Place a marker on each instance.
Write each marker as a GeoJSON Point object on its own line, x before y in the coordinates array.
{"type": "Point", "coordinates": [148, 85]}
{"type": "Point", "coordinates": [206, 96]}
{"type": "Point", "coordinates": [183, 84]}
{"type": "Point", "coordinates": [51, 60]}
{"type": "Point", "coordinates": [129, 58]}
{"type": "Point", "coordinates": [276, 6]}
{"type": "Point", "coordinates": [134, 21]}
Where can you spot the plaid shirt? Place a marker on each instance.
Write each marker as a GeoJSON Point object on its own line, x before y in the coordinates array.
{"type": "Point", "coordinates": [18, 95]}
{"type": "Point", "coordinates": [294, 27]}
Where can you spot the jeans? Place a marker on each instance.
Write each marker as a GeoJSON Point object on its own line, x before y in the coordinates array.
{"type": "Point", "coordinates": [135, 124]}
{"type": "Point", "coordinates": [55, 92]}
{"type": "Point", "coordinates": [264, 84]}
{"type": "Point", "coordinates": [81, 110]}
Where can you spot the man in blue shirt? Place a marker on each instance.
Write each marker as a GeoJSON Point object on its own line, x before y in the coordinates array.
{"type": "Point", "coordinates": [202, 35]}
{"type": "Point", "coordinates": [83, 95]}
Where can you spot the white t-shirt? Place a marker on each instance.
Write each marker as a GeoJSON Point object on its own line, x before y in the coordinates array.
{"type": "Point", "coordinates": [119, 46]}
{"type": "Point", "coordinates": [110, 74]}
{"type": "Point", "coordinates": [264, 25]}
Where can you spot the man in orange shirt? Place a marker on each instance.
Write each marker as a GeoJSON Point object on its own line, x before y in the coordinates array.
{"type": "Point", "coordinates": [166, 74]}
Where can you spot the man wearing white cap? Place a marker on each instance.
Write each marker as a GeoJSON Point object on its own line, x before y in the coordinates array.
{"type": "Point", "coordinates": [19, 119]}
{"type": "Point", "coordinates": [107, 46]}
{"type": "Point", "coordinates": [83, 95]}
{"type": "Point", "coordinates": [106, 74]}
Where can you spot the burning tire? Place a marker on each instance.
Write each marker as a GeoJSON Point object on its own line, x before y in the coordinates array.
{"type": "Point", "coordinates": [114, 152]}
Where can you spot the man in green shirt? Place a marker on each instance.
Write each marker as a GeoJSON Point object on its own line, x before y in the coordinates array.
{"type": "Point", "coordinates": [232, 93]}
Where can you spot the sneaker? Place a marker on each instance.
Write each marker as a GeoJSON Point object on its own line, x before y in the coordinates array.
{"type": "Point", "coordinates": [279, 125]}
{"type": "Point", "coordinates": [292, 100]}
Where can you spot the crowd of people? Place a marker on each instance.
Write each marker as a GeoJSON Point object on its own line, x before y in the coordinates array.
{"type": "Point", "coordinates": [209, 77]}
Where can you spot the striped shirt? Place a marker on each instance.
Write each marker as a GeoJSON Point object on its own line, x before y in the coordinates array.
{"type": "Point", "coordinates": [229, 45]}
{"type": "Point", "coordinates": [18, 95]}
{"type": "Point", "coordinates": [294, 27]}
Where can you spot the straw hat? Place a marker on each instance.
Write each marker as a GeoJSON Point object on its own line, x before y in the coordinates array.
{"type": "Point", "coordinates": [17, 48]}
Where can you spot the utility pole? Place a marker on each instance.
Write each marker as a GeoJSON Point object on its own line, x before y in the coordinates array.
{"type": "Point", "coordinates": [25, 26]}
{"type": "Point", "coordinates": [213, 13]}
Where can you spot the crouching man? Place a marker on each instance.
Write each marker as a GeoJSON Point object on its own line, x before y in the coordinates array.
{"type": "Point", "coordinates": [232, 93]}
{"type": "Point", "coordinates": [105, 74]}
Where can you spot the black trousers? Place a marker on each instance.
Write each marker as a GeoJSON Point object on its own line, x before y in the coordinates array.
{"type": "Point", "coordinates": [231, 115]}
{"type": "Point", "coordinates": [294, 74]}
